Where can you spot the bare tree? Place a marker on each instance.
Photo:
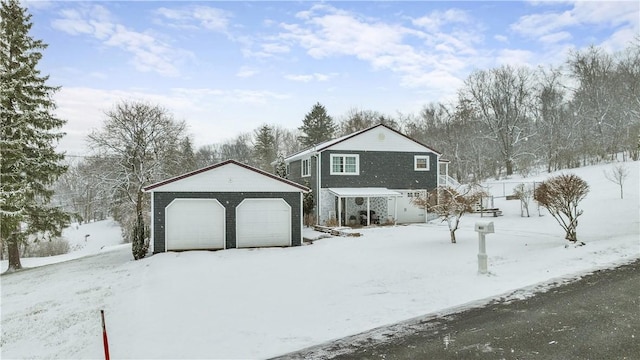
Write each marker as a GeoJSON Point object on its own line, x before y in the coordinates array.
{"type": "Point", "coordinates": [524, 193]}
{"type": "Point", "coordinates": [502, 97]}
{"type": "Point", "coordinates": [138, 142]}
{"type": "Point", "coordinates": [596, 101]}
{"type": "Point", "coordinates": [628, 79]}
{"type": "Point", "coordinates": [560, 195]}
{"type": "Point", "coordinates": [450, 205]}
{"type": "Point", "coordinates": [356, 120]}
{"type": "Point", "coordinates": [286, 139]}
{"type": "Point", "coordinates": [617, 175]}
{"type": "Point", "coordinates": [239, 149]}
{"type": "Point", "coordinates": [207, 155]}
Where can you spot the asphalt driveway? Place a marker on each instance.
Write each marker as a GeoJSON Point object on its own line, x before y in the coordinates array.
{"type": "Point", "coordinates": [595, 317]}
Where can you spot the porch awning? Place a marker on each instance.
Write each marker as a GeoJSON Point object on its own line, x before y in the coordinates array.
{"type": "Point", "coordinates": [363, 192]}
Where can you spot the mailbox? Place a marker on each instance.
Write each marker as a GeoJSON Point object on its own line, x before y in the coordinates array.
{"type": "Point", "coordinates": [485, 227]}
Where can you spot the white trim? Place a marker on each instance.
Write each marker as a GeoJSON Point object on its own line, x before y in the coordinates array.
{"type": "Point", "coordinates": [307, 167]}
{"type": "Point", "coordinates": [421, 157]}
{"type": "Point", "coordinates": [363, 192]}
{"type": "Point", "coordinates": [344, 165]}
{"type": "Point", "coordinates": [264, 199]}
{"type": "Point", "coordinates": [316, 195]}
{"type": "Point", "coordinates": [224, 223]}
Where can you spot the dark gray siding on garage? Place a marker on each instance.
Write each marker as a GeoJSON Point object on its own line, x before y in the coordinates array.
{"type": "Point", "coordinates": [392, 170]}
{"type": "Point", "coordinates": [230, 201]}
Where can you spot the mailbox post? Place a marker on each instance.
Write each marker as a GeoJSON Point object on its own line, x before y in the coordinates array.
{"type": "Point", "coordinates": [483, 228]}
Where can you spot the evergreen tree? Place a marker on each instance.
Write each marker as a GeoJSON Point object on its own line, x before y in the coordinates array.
{"type": "Point", "coordinates": [187, 155]}
{"type": "Point", "coordinates": [317, 126]}
{"type": "Point", "coordinates": [265, 147]}
{"type": "Point", "coordinates": [28, 135]}
{"type": "Point", "coordinates": [281, 167]}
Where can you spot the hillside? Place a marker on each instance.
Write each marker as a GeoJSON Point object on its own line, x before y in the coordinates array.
{"type": "Point", "coordinates": [257, 303]}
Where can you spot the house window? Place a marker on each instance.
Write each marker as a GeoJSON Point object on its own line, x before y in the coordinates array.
{"type": "Point", "coordinates": [421, 163]}
{"type": "Point", "coordinates": [345, 164]}
{"type": "Point", "coordinates": [306, 167]}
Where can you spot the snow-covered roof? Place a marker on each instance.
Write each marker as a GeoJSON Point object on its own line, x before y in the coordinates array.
{"type": "Point", "coordinates": [231, 176]}
{"type": "Point", "coordinates": [363, 192]}
{"type": "Point", "coordinates": [319, 147]}
{"type": "Point", "coordinates": [331, 143]}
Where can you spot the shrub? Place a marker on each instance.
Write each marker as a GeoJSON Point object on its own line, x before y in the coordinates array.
{"type": "Point", "coordinates": [43, 248]}
{"type": "Point", "coordinates": [560, 195]}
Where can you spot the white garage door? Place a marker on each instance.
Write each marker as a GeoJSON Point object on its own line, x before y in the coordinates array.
{"type": "Point", "coordinates": [407, 211]}
{"type": "Point", "coordinates": [195, 224]}
{"type": "Point", "coordinates": [263, 222]}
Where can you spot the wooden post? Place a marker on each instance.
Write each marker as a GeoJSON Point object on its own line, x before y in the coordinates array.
{"type": "Point", "coordinates": [104, 337]}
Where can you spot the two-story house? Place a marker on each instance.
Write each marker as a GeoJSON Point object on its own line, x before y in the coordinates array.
{"type": "Point", "coordinates": [368, 176]}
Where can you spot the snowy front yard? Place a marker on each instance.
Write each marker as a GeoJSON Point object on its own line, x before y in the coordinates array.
{"type": "Point", "coordinates": [259, 303]}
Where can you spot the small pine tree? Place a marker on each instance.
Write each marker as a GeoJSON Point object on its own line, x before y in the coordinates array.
{"type": "Point", "coordinates": [281, 167]}
{"type": "Point", "coordinates": [187, 154]}
{"type": "Point", "coordinates": [29, 133]}
{"type": "Point", "coordinates": [308, 205]}
{"type": "Point", "coordinates": [264, 148]}
{"type": "Point", "coordinates": [317, 126]}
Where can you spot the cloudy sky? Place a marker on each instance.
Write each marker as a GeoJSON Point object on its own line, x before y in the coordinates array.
{"type": "Point", "coordinates": [228, 67]}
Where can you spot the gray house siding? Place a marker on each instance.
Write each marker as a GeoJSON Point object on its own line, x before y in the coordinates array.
{"type": "Point", "coordinates": [392, 170]}
{"type": "Point", "coordinates": [295, 175]}
{"type": "Point", "coordinates": [230, 201]}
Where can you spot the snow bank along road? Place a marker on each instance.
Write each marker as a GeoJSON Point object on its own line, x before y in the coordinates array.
{"type": "Point", "coordinates": [596, 317]}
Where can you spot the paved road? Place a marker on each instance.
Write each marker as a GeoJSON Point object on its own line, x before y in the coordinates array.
{"type": "Point", "coordinates": [596, 317]}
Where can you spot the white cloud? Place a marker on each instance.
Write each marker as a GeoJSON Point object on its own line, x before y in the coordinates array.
{"type": "Point", "coordinates": [149, 53]}
{"type": "Point", "coordinates": [434, 21]}
{"type": "Point", "coordinates": [194, 17]}
{"type": "Point", "coordinates": [245, 72]}
{"type": "Point", "coordinates": [552, 27]}
{"type": "Point", "coordinates": [84, 108]}
{"type": "Point", "coordinates": [554, 38]}
{"type": "Point", "coordinates": [514, 57]}
{"type": "Point", "coordinates": [275, 48]}
{"type": "Point", "coordinates": [501, 38]}
{"type": "Point", "coordinates": [329, 32]}
{"type": "Point", "coordinates": [93, 20]}
{"type": "Point", "coordinates": [308, 77]}
{"type": "Point", "coordinates": [536, 25]}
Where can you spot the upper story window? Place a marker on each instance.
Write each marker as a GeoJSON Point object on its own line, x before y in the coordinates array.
{"type": "Point", "coordinates": [345, 164]}
{"type": "Point", "coordinates": [306, 167]}
{"type": "Point", "coordinates": [421, 163]}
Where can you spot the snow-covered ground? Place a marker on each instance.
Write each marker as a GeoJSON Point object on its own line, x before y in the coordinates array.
{"type": "Point", "coordinates": [259, 303]}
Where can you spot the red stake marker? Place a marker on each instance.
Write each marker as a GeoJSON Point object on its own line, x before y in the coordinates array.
{"type": "Point", "coordinates": [104, 337]}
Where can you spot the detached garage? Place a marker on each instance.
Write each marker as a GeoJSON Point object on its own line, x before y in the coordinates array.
{"type": "Point", "coordinates": [223, 206]}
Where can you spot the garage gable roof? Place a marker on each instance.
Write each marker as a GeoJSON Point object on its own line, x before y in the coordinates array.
{"type": "Point", "coordinates": [227, 176]}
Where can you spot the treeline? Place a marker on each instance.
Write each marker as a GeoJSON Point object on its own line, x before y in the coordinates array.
{"type": "Point", "coordinates": [505, 120]}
